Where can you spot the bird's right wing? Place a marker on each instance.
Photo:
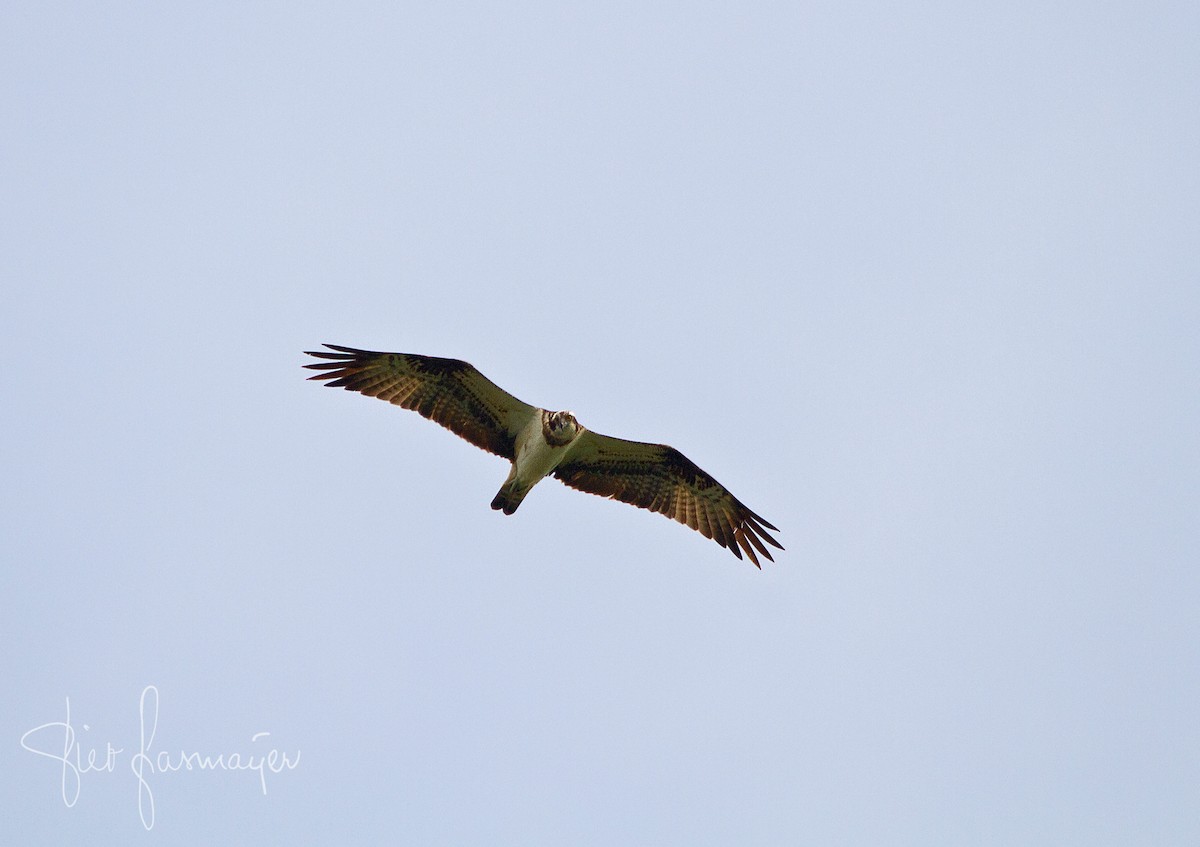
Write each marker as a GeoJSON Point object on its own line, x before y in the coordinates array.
{"type": "Point", "coordinates": [450, 392]}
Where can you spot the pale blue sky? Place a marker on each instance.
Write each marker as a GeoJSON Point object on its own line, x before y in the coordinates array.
{"type": "Point", "coordinates": [920, 282]}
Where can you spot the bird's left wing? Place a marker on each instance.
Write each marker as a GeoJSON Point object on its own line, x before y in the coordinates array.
{"type": "Point", "coordinates": [663, 480]}
{"type": "Point", "coordinates": [450, 392]}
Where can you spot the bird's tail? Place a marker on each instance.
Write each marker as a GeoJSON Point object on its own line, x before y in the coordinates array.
{"type": "Point", "coordinates": [509, 497]}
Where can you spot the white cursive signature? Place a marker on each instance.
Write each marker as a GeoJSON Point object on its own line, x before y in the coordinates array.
{"type": "Point", "coordinates": [44, 741]}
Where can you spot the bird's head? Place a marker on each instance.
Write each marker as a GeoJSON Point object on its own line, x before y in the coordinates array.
{"type": "Point", "coordinates": [561, 427]}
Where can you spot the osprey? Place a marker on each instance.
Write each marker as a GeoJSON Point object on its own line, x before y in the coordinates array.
{"type": "Point", "coordinates": [540, 443]}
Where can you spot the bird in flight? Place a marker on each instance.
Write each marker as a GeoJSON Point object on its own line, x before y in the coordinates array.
{"type": "Point", "coordinates": [540, 443]}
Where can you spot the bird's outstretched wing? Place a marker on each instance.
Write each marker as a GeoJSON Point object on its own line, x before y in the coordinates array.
{"type": "Point", "coordinates": [661, 479]}
{"type": "Point", "coordinates": [447, 391]}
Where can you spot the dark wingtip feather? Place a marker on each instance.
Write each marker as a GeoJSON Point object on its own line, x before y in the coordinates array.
{"type": "Point", "coordinates": [353, 351]}
{"type": "Point", "coordinates": [759, 527]}
{"type": "Point", "coordinates": [760, 519]}
{"type": "Point", "coordinates": [740, 535]}
{"type": "Point", "coordinates": [757, 543]}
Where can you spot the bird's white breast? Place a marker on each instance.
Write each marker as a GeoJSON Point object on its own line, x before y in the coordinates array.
{"type": "Point", "coordinates": [535, 458]}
